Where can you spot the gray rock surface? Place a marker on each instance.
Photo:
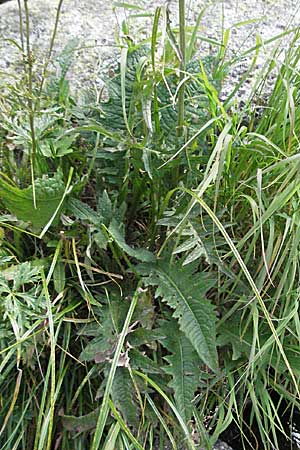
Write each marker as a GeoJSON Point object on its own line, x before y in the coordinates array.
{"type": "Point", "coordinates": [94, 23]}
{"type": "Point", "coordinates": [221, 446]}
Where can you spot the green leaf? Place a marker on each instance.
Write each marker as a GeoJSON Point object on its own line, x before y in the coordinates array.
{"type": "Point", "coordinates": [59, 277]}
{"type": "Point", "coordinates": [112, 436]}
{"type": "Point", "coordinates": [142, 362]}
{"type": "Point", "coordinates": [140, 253]}
{"type": "Point", "coordinates": [183, 367]}
{"type": "Point", "coordinates": [82, 423]}
{"type": "Point", "coordinates": [184, 291]}
{"type": "Point", "coordinates": [145, 311]}
{"type": "Point", "coordinates": [142, 336]}
{"type": "Point", "coordinates": [105, 208]}
{"type": "Point", "coordinates": [83, 211]}
{"type": "Point", "coordinates": [231, 333]}
{"type": "Point", "coordinates": [48, 193]}
{"type": "Point", "coordinates": [292, 354]}
{"type": "Point", "coordinates": [99, 349]}
{"type": "Point", "coordinates": [101, 240]}
{"type": "Point", "coordinates": [123, 394]}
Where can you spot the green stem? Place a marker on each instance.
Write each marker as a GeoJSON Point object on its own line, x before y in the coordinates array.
{"type": "Point", "coordinates": [52, 360]}
{"type": "Point", "coordinates": [30, 98]}
{"type": "Point", "coordinates": [21, 25]}
{"type": "Point", "coordinates": [50, 47]}
{"type": "Point", "coordinates": [104, 410]}
{"type": "Point", "coordinates": [182, 56]}
{"type": "Point", "coordinates": [182, 66]}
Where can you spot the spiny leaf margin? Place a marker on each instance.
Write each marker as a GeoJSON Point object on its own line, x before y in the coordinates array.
{"type": "Point", "coordinates": [184, 291]}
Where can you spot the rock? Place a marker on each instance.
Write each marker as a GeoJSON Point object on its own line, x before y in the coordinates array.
{"type": "Point", "coordinates": [94, 22]}
{"type": "Point", "coordinates": [221, 446]}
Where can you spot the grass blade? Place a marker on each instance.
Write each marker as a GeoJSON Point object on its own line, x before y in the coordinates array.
{"type": "Point", "coordinates": [105, 402]}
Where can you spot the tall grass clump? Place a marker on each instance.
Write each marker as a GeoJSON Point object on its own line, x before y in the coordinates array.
{"type": "Point", "coordinates": [149, 248]}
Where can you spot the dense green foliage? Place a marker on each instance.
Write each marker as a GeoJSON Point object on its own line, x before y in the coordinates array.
{"type": "Point", "coordinates": [149, 274]}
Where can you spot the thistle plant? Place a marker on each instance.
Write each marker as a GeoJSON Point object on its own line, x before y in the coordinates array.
{"type": "Point", "coordinates": [149, 250]}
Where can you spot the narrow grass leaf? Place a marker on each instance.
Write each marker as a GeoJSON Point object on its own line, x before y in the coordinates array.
{"type": "Point", "coordinates": [105, 401]}
{"type": "Point", "coordinates": [251, 283]}
{"type": "Point", "coordinates": [181, 422]}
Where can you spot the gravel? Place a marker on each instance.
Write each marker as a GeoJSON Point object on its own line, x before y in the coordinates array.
{"type": "Point", "coordinates": [221, 446]}
{"type": "Point", "coordinates": [94, 23]}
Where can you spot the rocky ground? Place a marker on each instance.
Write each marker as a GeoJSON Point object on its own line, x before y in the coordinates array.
{"type": "Point", "coordinates": [95, 22]}
{"type": "Point", "coordinates": [221, 446]}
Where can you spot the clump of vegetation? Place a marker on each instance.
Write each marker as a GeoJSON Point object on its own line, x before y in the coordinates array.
{"type": "Point", "coordinates": [149, 251]}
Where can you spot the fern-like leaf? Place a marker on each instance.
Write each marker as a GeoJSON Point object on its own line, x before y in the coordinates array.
{"type": "Point", "coordinates": [123, 396]}
{"type": "Point", "coordinates": [183, 367]}
{"type": "Point", "coordinates": [184, 291]}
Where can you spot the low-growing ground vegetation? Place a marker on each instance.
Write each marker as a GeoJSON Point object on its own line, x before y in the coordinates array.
{"type": "Point", "coordinates": [149, 248]}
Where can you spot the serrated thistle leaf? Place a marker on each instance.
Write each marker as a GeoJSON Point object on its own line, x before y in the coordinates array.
{"type": "Point", "coordinates": [183, 367]}
{"type": "Point", "coordinates": [81, 423]}
{"type": "Point", "coordinates": [83, 211]}
{"type": "Point", "coordinates": [184, 291]}
{"type": "Point", "coordinates": [123, 394]}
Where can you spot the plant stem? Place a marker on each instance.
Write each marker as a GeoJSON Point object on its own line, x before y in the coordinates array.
{"type": "Point", "coordinates": [51, 361]}
{"type": "Point", "coordinates": [105, 402]}
{"type": "Point", "coordinates": [182, 67]}
{"type": "Point", "coordinates": [21, 25]}
{"type": "Point", "coordinates": [50, 47]}
{"type": "Point", "coordinates": [180, 120]}
{"type": "Point", "coordinates": [30, 98]}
